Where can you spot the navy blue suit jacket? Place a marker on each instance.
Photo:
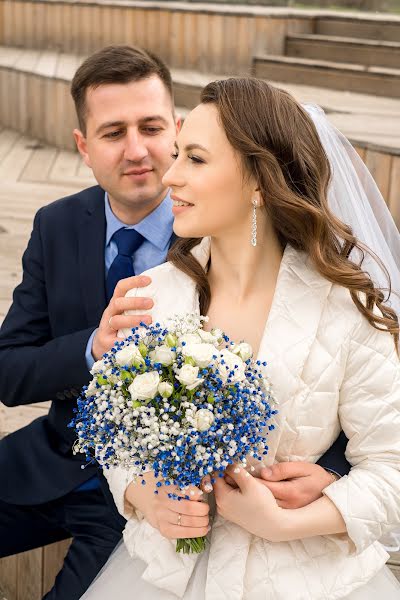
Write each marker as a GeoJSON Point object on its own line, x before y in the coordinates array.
{"type": "Point", "coordinates": [42, 348]}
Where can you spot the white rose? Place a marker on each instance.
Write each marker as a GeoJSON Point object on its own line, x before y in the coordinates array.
{"type": "Point", "coordinates": [98, 367]}
{"type": "Point", "coordinates": [230, 362]}
{"type": "Point", "coordinates": [165, 389]}
{"type": "Point", "coordinates": [188, 376]}
{"type": "Point", "coordinates": [162, 354]}
{"type": "Point", "coordinates": [203, 419]}
{"type": "Point", "coordinates": [202, 354]}
{"type": "Point", "coordinates": [145, 386]}
{"type": "Point", "coordinates": [189, 338]}
{"type": "Point", "coordinates": [245, 351]}
{"type": "Point", "coordinates": [129, 355]}
{"type": "Point", "coordinates": [208, 338]}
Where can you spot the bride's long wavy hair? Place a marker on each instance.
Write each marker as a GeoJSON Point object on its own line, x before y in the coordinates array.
{"type": "Point", "coordinates": [279, 146]}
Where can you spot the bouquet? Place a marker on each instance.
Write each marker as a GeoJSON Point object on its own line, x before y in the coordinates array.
{"type": "Point", "coordinates": [177, 400]}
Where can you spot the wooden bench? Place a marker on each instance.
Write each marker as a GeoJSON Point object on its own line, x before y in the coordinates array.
{"type": "Point", "coordinates": [29, 575]}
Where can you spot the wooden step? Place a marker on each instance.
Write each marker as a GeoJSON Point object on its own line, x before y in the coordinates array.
{"type": "Point", "coordinates": [187, 35]}
{"type": "Point", "coordinates": [382, 28]}
{"type": "Point", "coordinates": [378, 81]}
{"type": "Point", "coordinates": [347, 50]}
{"type": "Point", "coordinates": [35, 93]}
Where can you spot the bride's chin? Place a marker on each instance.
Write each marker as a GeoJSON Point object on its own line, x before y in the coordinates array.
{"type": "Point", "coordinates": [186, 232]}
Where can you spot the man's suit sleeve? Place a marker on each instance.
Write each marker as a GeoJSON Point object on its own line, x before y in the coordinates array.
{"type": "Point", "coordinates": [334, 459]}
{"type": "Point", "coordinates": [34, 367]}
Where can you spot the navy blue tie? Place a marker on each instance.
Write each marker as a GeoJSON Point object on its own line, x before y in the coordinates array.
{"type": "Point", "coordinates": [128, 241]}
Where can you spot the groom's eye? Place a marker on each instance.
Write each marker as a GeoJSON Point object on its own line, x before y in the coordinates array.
{"type": "Point", "coordinates": [152, 130]}
{"type": "Point", "coordinates": [174, 155]}
{"type": "Point", "coordinates": [113, 134]}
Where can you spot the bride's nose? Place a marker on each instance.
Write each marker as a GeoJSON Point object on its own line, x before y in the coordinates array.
{"type": "Point", "coordinates": [173, 177]}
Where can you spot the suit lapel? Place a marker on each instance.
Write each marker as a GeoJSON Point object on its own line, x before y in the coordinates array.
{"type": "Point", "coordinates": [92, 231]}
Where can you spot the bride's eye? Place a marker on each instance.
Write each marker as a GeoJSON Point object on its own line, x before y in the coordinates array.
{"type": "Point", "coordinates": [196, 159]}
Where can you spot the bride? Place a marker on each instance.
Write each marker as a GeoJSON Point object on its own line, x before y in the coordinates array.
{"type": "Point", "coordinates": [265, 258]}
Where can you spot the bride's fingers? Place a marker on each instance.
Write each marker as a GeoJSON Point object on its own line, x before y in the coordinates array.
{"type": "Point", "coordinates": [181, 520]}
{"type": "Point", "coordinates": [206, 484]}
{"type": "Point", "coordinates": [176, 532]}
{"type": "Point", "coordinates": [187, 507]}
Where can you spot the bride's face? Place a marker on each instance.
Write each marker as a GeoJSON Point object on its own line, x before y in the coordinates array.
{"type": "Point", "coordinates": [211, 196]}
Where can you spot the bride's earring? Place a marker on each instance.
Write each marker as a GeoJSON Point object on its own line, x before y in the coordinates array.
{"type": "Point", "coordinates": [254, 225]}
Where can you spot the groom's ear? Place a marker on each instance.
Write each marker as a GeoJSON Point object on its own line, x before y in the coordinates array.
{"type": "Point", "coordinates": [178, 123]}
{"type": "Point", "coordinates": [81, 144]}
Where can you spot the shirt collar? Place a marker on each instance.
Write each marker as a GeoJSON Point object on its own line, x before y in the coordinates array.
{"type": "Point", "coordinates": [155, 228]}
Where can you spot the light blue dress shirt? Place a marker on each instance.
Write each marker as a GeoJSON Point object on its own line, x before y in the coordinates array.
{"type": "Point", "coordinates": [156, 229]}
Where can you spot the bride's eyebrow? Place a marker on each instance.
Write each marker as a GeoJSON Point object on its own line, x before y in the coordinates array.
{"type": "Point", "coordinates": [192, 147]}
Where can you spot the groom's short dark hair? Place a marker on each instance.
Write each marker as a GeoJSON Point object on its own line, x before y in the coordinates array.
{"type": "Point", "coordinates": [115, 64]}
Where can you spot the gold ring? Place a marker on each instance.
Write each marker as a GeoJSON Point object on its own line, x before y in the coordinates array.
{"type": "Point", "coordinates": [179, 519]}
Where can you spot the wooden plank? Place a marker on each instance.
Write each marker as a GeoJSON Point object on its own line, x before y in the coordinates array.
{"type": "Point", "coordinates": [40, 164]}
{"type": "Point", "coordinates": [28, 60]}
{"type": "Point", "coordinates": [217, 34]}
{"type": "Point", "coordinates": [47, 64]}
{"type": "Point", "coordinates": [14, 163]}
{"type": "Point", "coordinates": [53, 558]}
{"type": "Point", "coordinates": [380, 165]}
{"type": "Point", "coordinates": [16, 417]}
{"type": "Point", "coordinates": [361, 152]}
{"type": "Point", "coordinates": [29, 574]}
{"type": "Point", "coordinates": [8, 576]}
{"type": "Point", "coordinates": [394, 190]}
{"type": "Point", "coordinates": [177, 44]}
{"type": "Point", "coordinates": [65, 166]}
{"type": "Point", "coordinates": [8, 139]}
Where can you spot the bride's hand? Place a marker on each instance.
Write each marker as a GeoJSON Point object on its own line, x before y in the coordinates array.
{"type": "Point", "coordinates": [174, 519]}
{"type": "Point", "coordinates": [250, 505]}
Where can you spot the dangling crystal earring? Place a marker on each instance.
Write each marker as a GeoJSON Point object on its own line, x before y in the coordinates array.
{"type": "Point", "coordinates": [254, 225]}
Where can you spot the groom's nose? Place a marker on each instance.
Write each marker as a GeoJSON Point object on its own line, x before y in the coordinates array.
{"type": "Point", "coordinates": [135, 147]}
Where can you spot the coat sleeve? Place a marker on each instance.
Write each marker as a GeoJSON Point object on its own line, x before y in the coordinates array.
{"type": "Point", "coordinates": [118, 479]}
{"type": "Point", "coordinates": [369, 411]}
{"type": "Point", "coordinates": [34, 366]}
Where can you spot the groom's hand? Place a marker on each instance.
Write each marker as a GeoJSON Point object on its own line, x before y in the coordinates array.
{"type": "Point", "coordinates": [113, 317]}
{"type": "Point", "coordinates": [296, 484]}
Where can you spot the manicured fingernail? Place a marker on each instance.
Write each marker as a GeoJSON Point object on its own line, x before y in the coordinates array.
{"type": "Point", "coordinates": [236, 470]}
{"type": "Point", "coordinates": [247, 474]}
{"type": "Point", "coordinates": [252, 468]}
{"type": "Point", "coordinates": [208, 487]}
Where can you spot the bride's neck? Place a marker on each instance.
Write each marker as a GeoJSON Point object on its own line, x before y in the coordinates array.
{"type": "Point", "coordinates": [238, 268]}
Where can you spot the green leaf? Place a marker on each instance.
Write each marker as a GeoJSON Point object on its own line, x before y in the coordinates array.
{"type": "Point", "coordinates": [143, 349]}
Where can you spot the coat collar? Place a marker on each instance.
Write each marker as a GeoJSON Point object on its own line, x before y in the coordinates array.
{"type": "Point", "coordinates": [293, 320]}
{"type": "Point", "coordinates": [91, 239]}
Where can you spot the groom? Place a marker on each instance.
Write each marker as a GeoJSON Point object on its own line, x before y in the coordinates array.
{"type": "Point", "coordinates": [82, 257]}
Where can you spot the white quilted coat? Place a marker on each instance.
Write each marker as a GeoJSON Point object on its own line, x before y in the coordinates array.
{"type": "Point", "coordinates": [330, 369]}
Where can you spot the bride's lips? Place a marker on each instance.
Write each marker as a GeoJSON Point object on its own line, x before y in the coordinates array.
{"type": "Point", "coordinates": [178, 208]}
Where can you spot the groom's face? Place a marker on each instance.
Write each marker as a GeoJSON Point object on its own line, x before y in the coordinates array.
{"type": "Point", "coordinates": [130, 134]}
